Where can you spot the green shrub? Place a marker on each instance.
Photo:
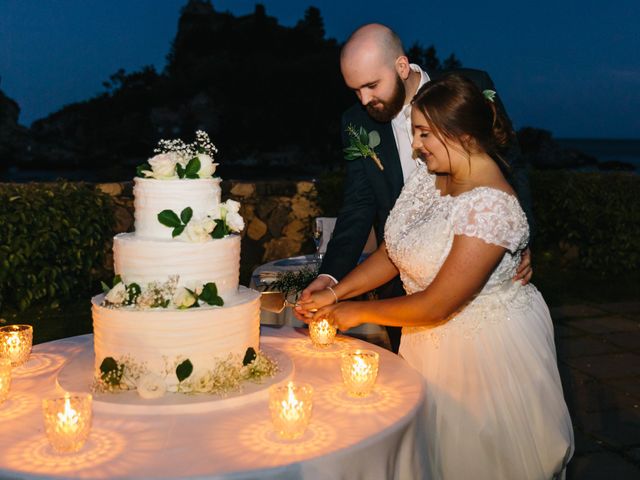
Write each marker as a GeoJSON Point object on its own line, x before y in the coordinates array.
{"type": "Point", "coordinates": [593, 218]}
{"type": "Point", "coordinates": [53, 241]}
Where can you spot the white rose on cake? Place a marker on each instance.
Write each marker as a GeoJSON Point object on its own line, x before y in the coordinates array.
{"type": "Point", "coordinates": [183, 298]}
{"type": "Point", "coordinates": [163, 166]}
{"type": "Point", "coordinates": [151, 386]}
{"type": "Point", "coordinates": [232, 206]}
{"type": "Point", "coordinates": [207, 166]}
{"type": "Point", "coordinates": [235, 222]}
{"type": "Point", "coordinates": [198, 231]}
{"type": "Point", "coordinates": [117, 294]}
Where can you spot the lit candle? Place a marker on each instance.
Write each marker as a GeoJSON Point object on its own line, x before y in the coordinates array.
{"type": "Point", "coordinates": [290, 408]}
{"type": "Point", "coordinates": [67, 421]}
{"type": "Point", "coordinates": [322, 333]}
{"type": "Point", "coordinates": [359, 371]}
{"type": "Point", "coordinates": [15, 343]}
{"type": "Point", "coordinates": [5, 378]}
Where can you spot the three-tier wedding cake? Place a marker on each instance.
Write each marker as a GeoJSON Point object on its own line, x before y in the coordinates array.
{"type": "Point", "coordinates": [175, 317]}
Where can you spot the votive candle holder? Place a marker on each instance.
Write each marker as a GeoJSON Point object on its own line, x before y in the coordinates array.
{"type": "Point", "coordinates": [15, 343]}
{"type": "Point", "coordinates": [67, 421]}
{"type": "Point", "coordinates": [5, 378]}
{"type": "Point", "coordinates": [359, 371]}
{"type": "Point", "coordinates": [322, 332]}
{"type": "Point", "coordinates": [290, 407]}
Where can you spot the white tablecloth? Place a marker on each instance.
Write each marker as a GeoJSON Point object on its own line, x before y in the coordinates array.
{"type": "Point", "coordinates": [373, 438]}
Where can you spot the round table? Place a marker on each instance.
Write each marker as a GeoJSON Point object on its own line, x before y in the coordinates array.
{"type": "Point", "coordinates": [377, 437]}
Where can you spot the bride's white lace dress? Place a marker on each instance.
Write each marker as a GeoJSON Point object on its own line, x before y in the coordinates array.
{"type": "Point", "coordinates": [495, 407]}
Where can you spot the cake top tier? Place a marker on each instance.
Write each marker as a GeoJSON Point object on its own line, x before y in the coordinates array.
{"type": "Point", "coordinates": [177, 195]}
{"type": "Point", "coordinates": [155, 196]}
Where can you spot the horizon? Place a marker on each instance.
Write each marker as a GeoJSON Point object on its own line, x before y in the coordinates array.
{"type": "Point", "coordinates": [580, 80]}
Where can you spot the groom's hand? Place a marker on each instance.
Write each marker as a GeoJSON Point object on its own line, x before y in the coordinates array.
{"type": "Point", "coordinates": [525, 271]}
{"type": "Point", "coordinates": [320, 283]}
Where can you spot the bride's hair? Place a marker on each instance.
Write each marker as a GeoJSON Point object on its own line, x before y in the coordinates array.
{"type": "Point", "coordinates": [456, 109]}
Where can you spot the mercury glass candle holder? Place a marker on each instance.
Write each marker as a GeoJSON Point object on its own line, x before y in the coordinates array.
{"type": "Point", "coordinates": [322, 333]}
{"type": "Point", "coordinates": [359, 371]}
{"type": "Point", "coordinates": [15, 343]}
{"type": "Point", "coordinates": [67, 421]}
{"type": "Point", "coordinates": [290, 407]}
{"type": "Point", "coordinates": [5, 378]}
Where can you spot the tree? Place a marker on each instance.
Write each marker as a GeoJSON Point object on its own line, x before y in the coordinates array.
{"type": "Point", "coordinates": [428, 59]}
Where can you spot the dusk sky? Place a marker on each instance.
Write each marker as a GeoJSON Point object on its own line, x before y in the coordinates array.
{"type": "Point", "coordinates": [572, 67]}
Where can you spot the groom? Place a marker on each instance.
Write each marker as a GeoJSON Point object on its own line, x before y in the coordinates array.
{"type": "Point", "coordinates": [375, 67]}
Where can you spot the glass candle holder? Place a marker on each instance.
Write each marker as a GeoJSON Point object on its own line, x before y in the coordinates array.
{"type": "Point", "coordinates": [5, 378]}
{"type": "Point", "coordinates": [359, 371]}
{"type": "Point", "coordinates": [322, 333]}
{"type": "Point", "coordinates": [290, 407]}
{"type": "Point", "coordinates": [15, 343]}
{"type": "Point", "coordinates": [67, 421]}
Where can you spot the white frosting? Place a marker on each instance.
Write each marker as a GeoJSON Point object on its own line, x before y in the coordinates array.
{"type": "Point", "coordinates": [142, 261]}
{"type": "Point", "coordinates": [200, 334]}
{"type": "Point", "coordinates": [153, 196]}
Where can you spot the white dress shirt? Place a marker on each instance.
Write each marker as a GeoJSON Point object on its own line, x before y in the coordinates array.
{"type": "Point", "coordinates": [401, 125]}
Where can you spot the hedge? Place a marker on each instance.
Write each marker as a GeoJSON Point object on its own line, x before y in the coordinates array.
{"type": "Point", "coordinates": [53, 241]}
{"type": "Point", "coordinates": [592, 217]}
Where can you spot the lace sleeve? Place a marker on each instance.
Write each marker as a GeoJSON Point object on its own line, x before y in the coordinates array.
{"type": "Point", "coordinates": [493, 216]}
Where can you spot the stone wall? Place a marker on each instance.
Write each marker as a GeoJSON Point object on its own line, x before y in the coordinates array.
{"type": "Point", "coordinates": [277, 216]}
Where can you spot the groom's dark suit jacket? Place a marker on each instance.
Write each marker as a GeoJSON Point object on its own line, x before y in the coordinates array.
{"type": "Point", "coordinates": [369, 193]}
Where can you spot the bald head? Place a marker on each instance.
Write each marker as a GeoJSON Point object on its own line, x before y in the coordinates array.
{"type": "Point", "coordinates": [375, 67]}
{"type": "Point", "coordinates": [374, 42]}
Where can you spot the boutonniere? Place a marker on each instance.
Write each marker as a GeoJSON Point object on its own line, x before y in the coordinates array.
{"type": "Point", "coordinates": [362, 144]}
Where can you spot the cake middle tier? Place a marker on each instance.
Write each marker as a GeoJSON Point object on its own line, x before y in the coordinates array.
{"type": "Point", "coordinates": [142, 260]}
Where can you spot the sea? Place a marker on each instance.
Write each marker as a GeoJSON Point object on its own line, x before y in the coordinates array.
{"type": "Point", "coordinates": [606, 150]}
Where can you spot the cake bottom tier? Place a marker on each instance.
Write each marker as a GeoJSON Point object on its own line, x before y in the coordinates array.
{"type": "Point", "coordinates": [157, 341]}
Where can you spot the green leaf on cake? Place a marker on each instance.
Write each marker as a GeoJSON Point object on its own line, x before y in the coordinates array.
{"type": "Point", "coordinates": [184, 370]}
{"type": "Point", "coordinates": [180, 170]}
{"type": "Point", "coordinates": [177, 231]}
{"type": "Point", "coordinates": [210, 295]}
{"type": "Point", "coordinates": [141, 168]}
{"type": "Point", "coordinates": [186, 215]}
{"type": "Point", "coordinates": [249, 356]}
{"type": "Point", "coordinates": [105, 288]}
{"type": "Point", "coordinates": [221, 230]}
{"type": "Point", "coordinates": [108, 365]}
{"type": "Point", "coordinates": [169, 218]}
{"type": "Point", "coordinates": [193, 167]}
{"type": "Point", "coordinates": [110, 371]}
{"type": "Point", "coordinates": [116, 280]}
{"type": "Point", "coordinates": [133, 291]}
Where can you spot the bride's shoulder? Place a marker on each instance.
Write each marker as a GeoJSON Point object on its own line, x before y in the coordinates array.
{"type": "Point", "coordinates": [491, 213]}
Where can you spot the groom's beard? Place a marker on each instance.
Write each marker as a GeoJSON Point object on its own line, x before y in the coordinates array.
{"type": "Point", "coordinates": [390, 108]}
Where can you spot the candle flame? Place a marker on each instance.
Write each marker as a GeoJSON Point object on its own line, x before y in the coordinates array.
{"type": "Point", "coordinates": [69, 419]}
{"type": "Point", "coordinates": [291, 407]}
{"type": "Point", "coordinates": [13, 342]}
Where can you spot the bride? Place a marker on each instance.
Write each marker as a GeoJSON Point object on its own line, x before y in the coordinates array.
{"type": "Point", "coordinates": [484, 343]}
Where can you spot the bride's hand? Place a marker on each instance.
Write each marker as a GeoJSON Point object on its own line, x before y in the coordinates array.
{"type": "Point", "coordinates": [308, 304]}
{"type": "Point", "coordinates": [344, 315]}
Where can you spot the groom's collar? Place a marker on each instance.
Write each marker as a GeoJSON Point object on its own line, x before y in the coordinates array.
{"type": "Point", "coordinates": [424, 78]}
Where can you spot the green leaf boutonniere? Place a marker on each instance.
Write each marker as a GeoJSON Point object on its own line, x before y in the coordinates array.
{"type": "Point", "coordinates": [362, 144]}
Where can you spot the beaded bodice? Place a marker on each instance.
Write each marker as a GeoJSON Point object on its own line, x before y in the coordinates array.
{"type": "Point", "coordinates": [421, 226]}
